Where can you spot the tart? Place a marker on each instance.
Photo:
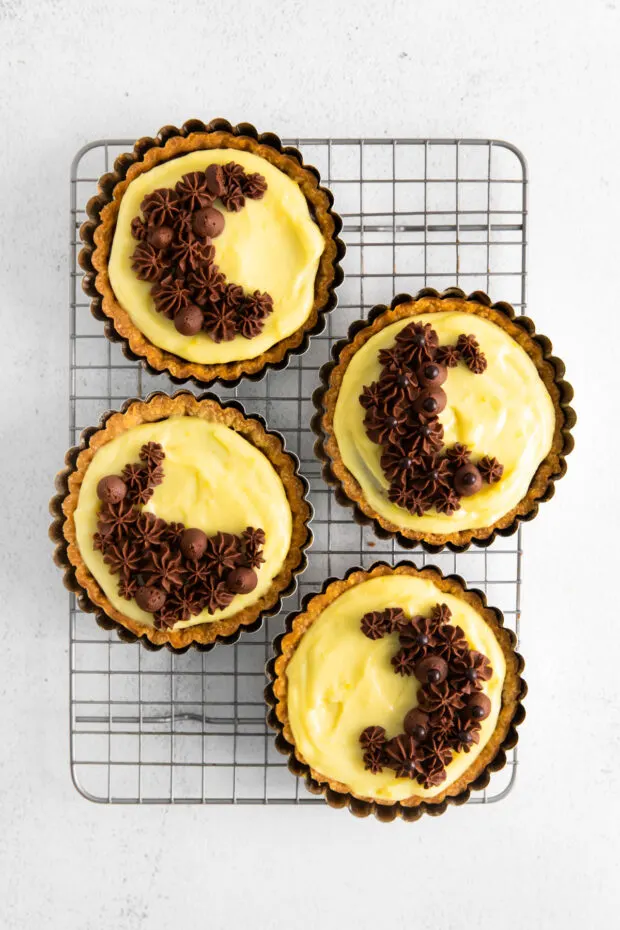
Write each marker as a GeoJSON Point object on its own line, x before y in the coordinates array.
{"type": "Point", "coordinates": [181, 520]}
{"type": "Point", "coordinates": [395, 691]}
{"type": "Point", "coordinates": [211, 252]}
{"type": "Point", "coordinates": [444, 420]}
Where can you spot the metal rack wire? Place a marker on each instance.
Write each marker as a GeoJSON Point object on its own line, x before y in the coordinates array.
{"type": "Point", "coordinates": [152, 727]}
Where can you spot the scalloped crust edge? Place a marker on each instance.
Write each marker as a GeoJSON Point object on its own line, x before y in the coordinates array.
{"type": "Point", "coordinates": [551, 370]}
{"type": "Point", "coordinates": [97, 234]}
{"type": "Point", "coordinates": [475, 778]}
{"type": "Point", "coordinates": [157, 406]}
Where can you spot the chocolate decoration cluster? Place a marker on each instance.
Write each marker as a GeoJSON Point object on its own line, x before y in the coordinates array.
{"type": "Point", "coordinates": [172, 571]}
{"type": "Point", "coordinates": [175, 254]}
{"type": "Point", "coordinates": [402, 416]}
{"type": "Point", "coordinates": [451, 705]}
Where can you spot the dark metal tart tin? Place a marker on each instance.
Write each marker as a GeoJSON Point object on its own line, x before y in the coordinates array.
{"type": "Point", "coordinates": [70, 581]}
{"type": "Point", "coordinates": [389, 812]}
{"type": "Point", "coordinates": [108, 182]}
{"type": "Point", "coordinates": [564, 388]}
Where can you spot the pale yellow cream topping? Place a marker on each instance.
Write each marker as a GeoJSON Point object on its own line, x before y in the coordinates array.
{"type": "Point", "coordinates": [505, 412]}
{"type": "Point", "coordinates": [340, 682]}
{"type": "Point", "coordinates": [214, 480]}
{"type": "Point", "coordinates": [271, 245]}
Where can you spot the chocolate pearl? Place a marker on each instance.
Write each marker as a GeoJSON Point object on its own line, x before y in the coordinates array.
{"type": "Point", "coordinates": [467, 480]}
{"type": "Point", "coordinates": [391, 422]}
{"type": "Point", "coordinates": [160, 237]}
{"type": "Point", "coordinates": [188, 321]}
{"type": "Point", "coordinates": [193, 543]}
{"type": "Point", "coordinates": [215, 180]}
{"type": "Point", "coordinates": [430, 402]}
{"type": "Point", "coordinates": [241, 580]}
{"type": "Point", "coordinates": [432, 374]}
{"type": "Point", "coordinates": [464, 736]}
{"type": "Point", "coordinates": [416, 724]}
{"type": "Point", "coordinates": [111, 489]}
{"type": "Point", "coordinates": [471, 674]}
{"type": "Point", "coordinates": [150, 598]}
{"type": "Point", "coordinates": [402, 381]}
{"type": "Point", "coordinates": [478, 706]}
{"type": "Point", "coordinates": [208, 222]}
{"type": "Point", "coordinates": [431, 670]}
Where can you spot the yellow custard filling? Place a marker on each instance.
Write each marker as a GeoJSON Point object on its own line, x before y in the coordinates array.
{"type": "Point", "coordinates": [271, 245]}
{"type": "Point", "coordinates": [506, 412]}
{"type": "Point", "coordinates": [215, 480]}
{"type": "Point", "coordinates": [340, 682]}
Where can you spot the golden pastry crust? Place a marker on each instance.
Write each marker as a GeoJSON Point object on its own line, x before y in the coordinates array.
{"type": "Point", "coordinates": [491, 759]}
{"type": "Point", "coordinates": [97, 235]}
{"type": "Point", "coordinates": [550, 369]}
{"type": "Point", "coordinates": [158, 407]}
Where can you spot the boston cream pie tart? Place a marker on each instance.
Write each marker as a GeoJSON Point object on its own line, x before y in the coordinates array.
{"type": "Point", "coordinates": [212, 222]}
{"type": "Point", "coordinates": [395, 691]}
{"type": "Point", "coordinates": [181, 519]}
{"type": "Point", "coordinates": [444, 419]}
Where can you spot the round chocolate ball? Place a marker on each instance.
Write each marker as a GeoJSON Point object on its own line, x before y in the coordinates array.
{"type": "Point", "coordinates": [431, 374]}
{"type": "Point", "coordinates": [478, 706]}
{"type": "Point", "coordinates": [188, 321]}
{"type": "Point", "coordinates": [430, 402]}
{"type": "Point", "coordinates": [111, 489]}
{"type": "Point", "coordinates": [193, 543]}
{"type": "Point", "coordinates": [215, 180]}
{"type": "Point", "coordinates": [241, 580]}
{"type": "Point", "coordinates": [416, 724]}
{"type": "Point", "coordinates": [464, 736]}
{"type": "Point", "coordinates": [467, 480]}
{"type": "Point", "coordinates": [208, 222]}
{"type": "Point", "coordinates": [160, 237]}
{"type": "Point", "coordinates": [431, 670]}
{"type": "Point", "coordinates": [150, 598]}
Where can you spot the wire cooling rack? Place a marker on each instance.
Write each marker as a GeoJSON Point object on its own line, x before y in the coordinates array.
{"type": "Point", "coordinates": [152, 727]}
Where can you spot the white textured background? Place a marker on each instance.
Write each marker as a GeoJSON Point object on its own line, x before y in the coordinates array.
{"type": "Point", "coordinates": [543, 75]}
